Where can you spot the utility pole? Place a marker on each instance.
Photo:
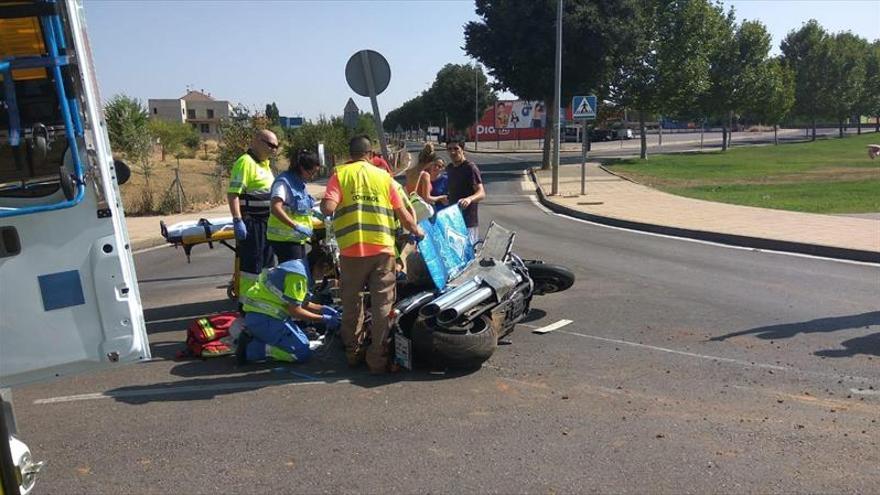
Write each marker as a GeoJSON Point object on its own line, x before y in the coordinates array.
{"type": "Point", "coordinates": [554, 190]}
{"type": "Point", "coordinates": [476, 106]}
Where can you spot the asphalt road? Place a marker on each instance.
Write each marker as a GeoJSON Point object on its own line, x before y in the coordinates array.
{"type": "Point", "coordinates": [687, 368]}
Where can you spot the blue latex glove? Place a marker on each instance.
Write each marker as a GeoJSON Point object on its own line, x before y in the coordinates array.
{"type": "Point", "coordinates": [303, 230]}
{"type": "Point", "coordinates": [329, 310]}
{"type": "Point", "coordinates": [331, 322]}
{"type": "Point", "coordinates": [240, 229]}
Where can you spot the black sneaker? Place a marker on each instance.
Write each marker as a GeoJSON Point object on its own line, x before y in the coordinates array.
{"type": "Point", "coordinates": [241, 347]}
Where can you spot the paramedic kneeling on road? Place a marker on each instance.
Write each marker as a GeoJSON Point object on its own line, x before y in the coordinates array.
{"type": "Point", "coordinates": [248, 196]}
{"type": "Point", "coordinates": [271, 305]}
{"type": "Point", "coordinates": [365, 204]}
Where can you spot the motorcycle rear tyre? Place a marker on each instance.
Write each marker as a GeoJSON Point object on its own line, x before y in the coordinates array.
{"type": "Point", "coordinates": [467, 350]}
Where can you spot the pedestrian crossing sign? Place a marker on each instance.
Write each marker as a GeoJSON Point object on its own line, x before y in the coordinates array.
{"type": "Point", "coordinates": [583, 107]}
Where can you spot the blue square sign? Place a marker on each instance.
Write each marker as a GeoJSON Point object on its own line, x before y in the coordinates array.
{"type": "Point", "coordinates": [583, 107]}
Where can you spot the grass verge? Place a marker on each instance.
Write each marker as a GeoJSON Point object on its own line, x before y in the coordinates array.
{"type": "Point", "coordinates": [826, 176]}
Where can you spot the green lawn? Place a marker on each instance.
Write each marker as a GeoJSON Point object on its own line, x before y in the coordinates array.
{"type": "Point", "coordinates": [826, 176]}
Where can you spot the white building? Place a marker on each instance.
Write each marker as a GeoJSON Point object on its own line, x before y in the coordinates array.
{"type": "Point", "coordinates": [196, 108]}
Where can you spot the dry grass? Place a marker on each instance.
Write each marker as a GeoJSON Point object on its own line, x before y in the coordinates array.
{"type": "Point", "coordinates": [198, 176]}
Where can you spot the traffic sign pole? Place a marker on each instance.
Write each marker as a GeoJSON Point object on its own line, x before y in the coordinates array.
{"type": "Point", "coordinates": [584, 108]}
{"type": "Point", "coordinates": [372, 88]}
{"type": "Point", "coordinates": [584, 157]}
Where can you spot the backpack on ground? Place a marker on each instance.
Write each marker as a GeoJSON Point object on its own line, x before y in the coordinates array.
{"type": "Point", "coordinates": [210, 336]}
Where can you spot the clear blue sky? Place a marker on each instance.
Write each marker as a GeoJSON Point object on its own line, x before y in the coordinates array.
{"type": "Point", "coordinates": [294, 52]}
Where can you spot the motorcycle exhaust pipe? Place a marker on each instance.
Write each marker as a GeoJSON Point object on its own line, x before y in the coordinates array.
{"type": "Point", "coordinates": [521, 291]}
{"type": "Point", "coordinates": [461, 306]}
{"type": "Point", "coordinates": [414, 301]}
{"type": "Point", "coordinates": [436, 306]}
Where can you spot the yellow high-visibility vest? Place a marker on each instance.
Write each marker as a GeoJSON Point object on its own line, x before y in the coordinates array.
{"type": "Point", "coordinates": [365, 214]}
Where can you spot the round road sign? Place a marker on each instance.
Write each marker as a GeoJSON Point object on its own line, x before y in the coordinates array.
{"type": "Point", "coordinates": [367, 63]}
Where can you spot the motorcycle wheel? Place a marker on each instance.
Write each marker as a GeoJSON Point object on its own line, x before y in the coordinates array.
{"type": "Point", "coordinates": [466, 350]}
{"type": "Point", "coordinates": [550, 278]}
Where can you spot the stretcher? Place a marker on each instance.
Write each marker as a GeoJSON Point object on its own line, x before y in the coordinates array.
{"type": "Point", "coordinates": [210, 230]}
{"type": "Point", "coordinates": [193, 232]}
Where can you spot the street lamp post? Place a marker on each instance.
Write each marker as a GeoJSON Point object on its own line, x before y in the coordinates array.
{"type": "Point", "coordinates": [554, 190]}
{"type": "Point", "coordinates": [476, 106]}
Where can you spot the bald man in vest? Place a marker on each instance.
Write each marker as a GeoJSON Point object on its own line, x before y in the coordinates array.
{"type": "Point", "coordinates": [248, 195]}
{"type": "Point", "coordinates": [364, 204]}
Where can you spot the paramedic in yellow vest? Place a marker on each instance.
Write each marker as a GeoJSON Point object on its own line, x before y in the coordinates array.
{"type": "Point", "coordinates": [365, 204]}
{"type": "Point", "coordinates": [248, 195]}
{"type": "Point", "coordinates": [290, 222]}
{"type": "Point", "coordinates": [273, 308]}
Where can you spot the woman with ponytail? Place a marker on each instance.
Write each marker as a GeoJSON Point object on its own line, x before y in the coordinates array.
{"type": "Point", "coordinates": [290, 220]}
{"type": "Point", "coordinates": [427, 169]}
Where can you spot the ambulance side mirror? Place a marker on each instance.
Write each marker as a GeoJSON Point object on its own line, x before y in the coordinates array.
{"type": "Point", "coordinates": [123, 171]}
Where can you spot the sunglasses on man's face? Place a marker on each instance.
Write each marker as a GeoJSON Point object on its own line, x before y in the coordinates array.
{"type": "Point", "coordinates": [270, 144]}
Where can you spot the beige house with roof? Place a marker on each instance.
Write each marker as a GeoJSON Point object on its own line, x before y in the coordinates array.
{"type": "Point", "coordinates": [196, 108]}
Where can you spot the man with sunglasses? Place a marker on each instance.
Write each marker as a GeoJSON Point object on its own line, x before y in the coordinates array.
{"type": "Point", "coordinates": [465, 187]}
{"type": "Point", "coordinates": [249, 202]}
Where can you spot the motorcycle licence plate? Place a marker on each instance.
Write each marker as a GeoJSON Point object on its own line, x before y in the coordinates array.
{"type": "Point", "coordinates": [403, 351]}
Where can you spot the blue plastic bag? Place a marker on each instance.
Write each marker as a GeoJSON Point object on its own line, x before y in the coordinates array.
{"type": "Point", "coordinates": [446, 248]}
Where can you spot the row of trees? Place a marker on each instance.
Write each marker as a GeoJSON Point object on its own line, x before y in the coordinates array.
{"type": "Point", "coordinates": [236, 133]}
{"type": "Point", "coordinates": [457, 92]}
{"type": "Point", "coordinates": [133, 135]}
{"type": "Point", "coordinates": [686, 59]}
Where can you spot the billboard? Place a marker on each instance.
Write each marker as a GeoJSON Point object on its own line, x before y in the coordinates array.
{"type": "Point", "coordinates": [512, 119]}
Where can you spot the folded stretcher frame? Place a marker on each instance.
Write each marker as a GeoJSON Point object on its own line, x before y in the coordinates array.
{"type": "Point", "coordinates": [201, 231]}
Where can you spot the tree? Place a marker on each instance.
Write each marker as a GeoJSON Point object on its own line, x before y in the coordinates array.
{"type": "Point", "coordinates": [845, 63]}
{"type": "Point", "coordinates": [870, 103]}
{"type": "Point", "coordinates": [452, 94]}
{"type": "Point", "coordinates": [236, 133]}
{"type": "Point", "coordinates": [773, 94]}
{"type": "Point", "coordinates": [172, 136]}
{"type": "Point", "coordinates": [331, 132]}
{"type": "Point", "coordinates": [272, 114]}
{"type": "Point", "coordinates": [736, 64]}
{"type": "Point", "coordinates": [516, 41]}
{"type": "Point", "coordinates": [127, 125]}
{"type": "Point", "coordinates": [803, 51]}
{"type": "Point", "coordinates": [366, 125]}
{"type": "Point", "coordinates": [412, 113]}
{"type": "Point", "coordinates": [663, 60]}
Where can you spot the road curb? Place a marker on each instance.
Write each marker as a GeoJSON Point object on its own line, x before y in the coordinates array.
{"type": "Point", "coordinates": [512, 152]}
{"type": "Point", "coordinates": [141, 244]}
{"type": "Point", "coordinates": [717, 237]}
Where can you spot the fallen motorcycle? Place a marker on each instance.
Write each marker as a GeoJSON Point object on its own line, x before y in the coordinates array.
{"type": "Point", "coordinates": [460, 326]}
{"type": "Point", "coordinates": [457, 300]}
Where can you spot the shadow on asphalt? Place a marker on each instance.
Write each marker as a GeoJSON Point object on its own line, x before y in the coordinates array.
{"type": "Point", "coordinates": [819, 325]}
{"type": "Point", "coordinates": [205, 379]}
{"type": "Point", "coordinates": [178, 317]}
{"type": "Point", "coordinates": [868, 345]}
{"type": "Point", "coordinates": [534, 315]}
{"type": "Point", "coordinates": [252, 377]}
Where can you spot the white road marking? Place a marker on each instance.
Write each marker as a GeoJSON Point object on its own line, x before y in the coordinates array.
{"type": "Point", "coordinates": [682, 353]}
{"type": "Point", "coordinates": [862, 391]}
{"type": "Point", "coordinates": [172, 390]}
{"type": "Point", "coordinates": [741, 362]}
{"type": "Point", "coordinates": [553, 326]}
{"type": "Point", "coordinates": [698, 241]}
{"type": "Point", "coordinates": [542, 207]}
{"type": "Point", "coordinates": [147, 250]}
